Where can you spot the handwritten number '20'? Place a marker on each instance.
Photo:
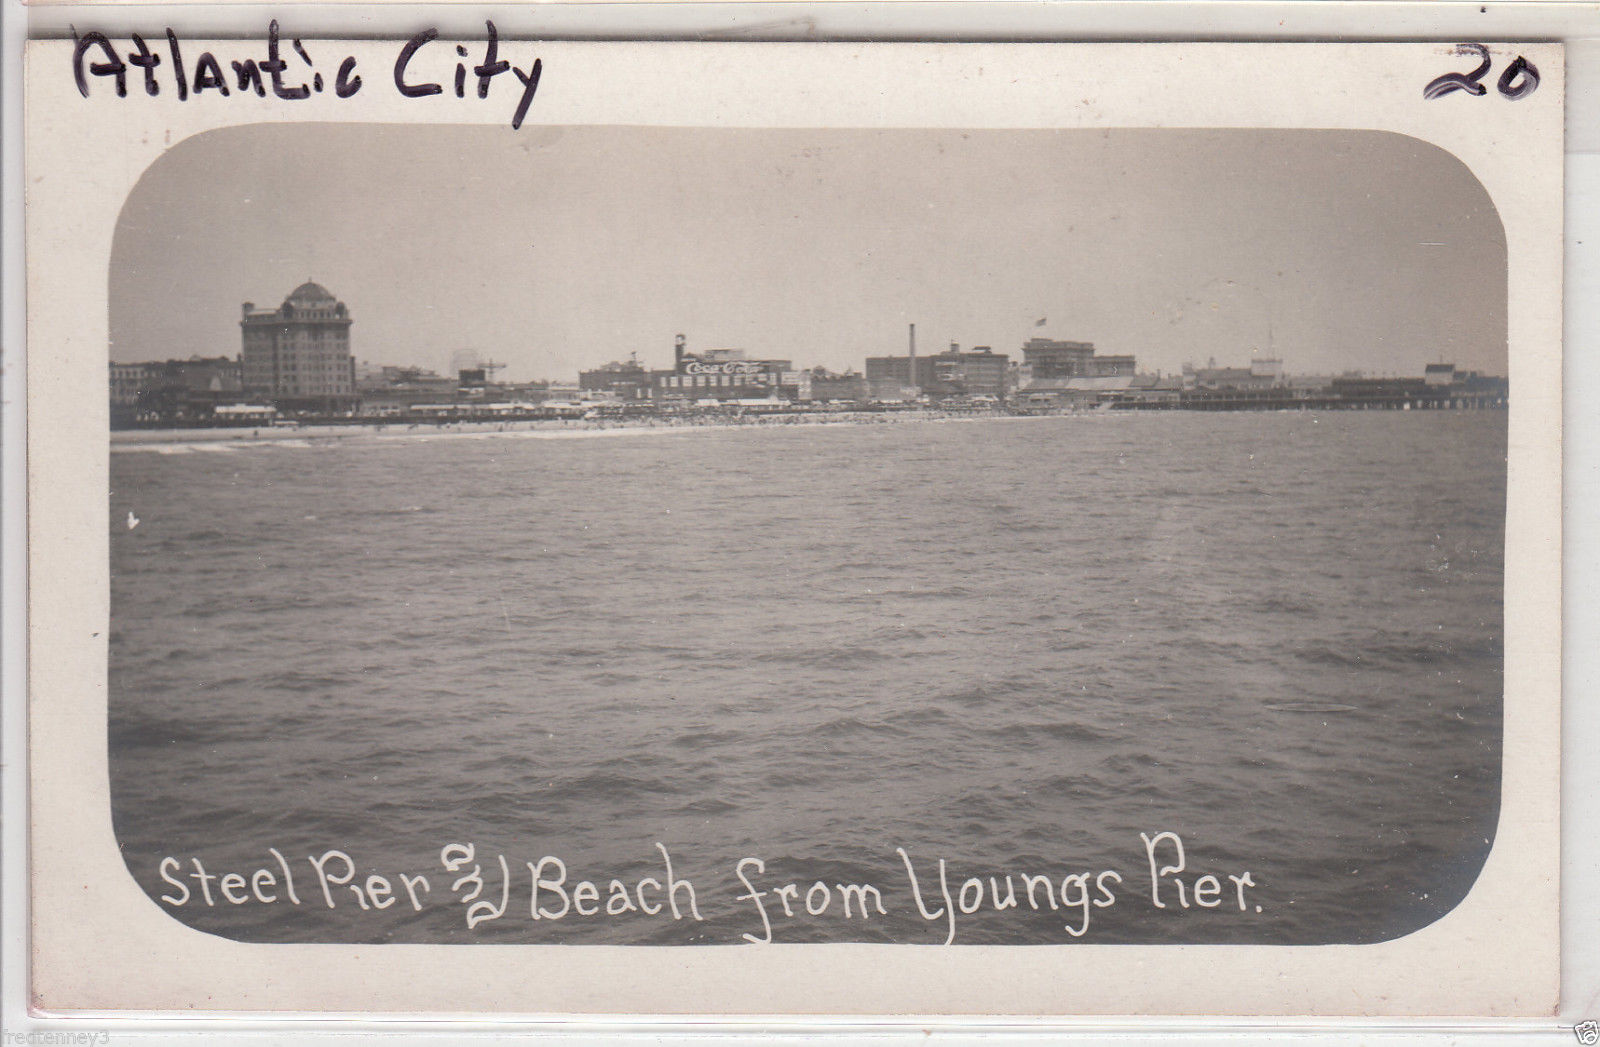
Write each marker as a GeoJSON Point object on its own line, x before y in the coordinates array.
{"type": "Point", "coordinates": [1520, 68]}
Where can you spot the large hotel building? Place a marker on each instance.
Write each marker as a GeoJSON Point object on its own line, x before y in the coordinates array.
{"type": "Point", "coordinates": [299, 353]}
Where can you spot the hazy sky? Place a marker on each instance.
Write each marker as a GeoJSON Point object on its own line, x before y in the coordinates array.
{"type": "Point", "coordinates": [555, 249]}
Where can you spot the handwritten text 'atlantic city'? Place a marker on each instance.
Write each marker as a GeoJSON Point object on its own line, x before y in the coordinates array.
{"type": "Point", "coordinates": [288, 80]}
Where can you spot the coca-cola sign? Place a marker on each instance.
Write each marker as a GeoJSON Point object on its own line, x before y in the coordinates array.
{"type": "Point", "coordinates": [727, 367]}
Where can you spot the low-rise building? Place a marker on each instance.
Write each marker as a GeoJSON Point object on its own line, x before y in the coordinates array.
{"type": "Point", "coordinates": [1439, 374]}
{"type": "Point", "coordinates": [953, 373]}
{"type": "Point", "coordinates": [1095, 391]}
{"type": "Point", "coordinates": [628, 380]}
{"type": "Point", "coordinates": [1262, 373]}
{"type": "Point", "coordinates": [720, 374]}
{"type": "Point", "coordinates": [823, 386]}
{"type": "Point", "coordinates": [173, 391]}
{"type": "Point", "coordinates": [126, 382]}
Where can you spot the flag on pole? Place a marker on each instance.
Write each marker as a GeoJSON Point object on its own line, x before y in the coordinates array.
{"type": "Point", "coordinates": [1040, 322]}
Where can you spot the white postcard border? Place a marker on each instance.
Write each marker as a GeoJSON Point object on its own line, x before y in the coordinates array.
{"type": "Point", "coordinates": [1495, 955]}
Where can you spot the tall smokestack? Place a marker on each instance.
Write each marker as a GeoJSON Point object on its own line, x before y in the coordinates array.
{"type": "Point", "coordinates": [911, 360]}
{"type": "Point", "coordinates": [677, 353]}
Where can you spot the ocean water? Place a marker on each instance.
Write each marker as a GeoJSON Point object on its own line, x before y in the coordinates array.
{"type": "Point", "coordinates": [1022, 648]}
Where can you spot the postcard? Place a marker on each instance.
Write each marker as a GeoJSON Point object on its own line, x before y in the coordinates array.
{"type": "Point", "coordinates": [539, 528]}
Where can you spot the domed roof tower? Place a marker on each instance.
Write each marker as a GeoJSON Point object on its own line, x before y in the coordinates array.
{"type": "Point", "coordinates": [310, 294]}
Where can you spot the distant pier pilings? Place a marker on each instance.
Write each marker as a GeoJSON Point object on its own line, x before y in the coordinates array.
{"type": "Point", "coordinates": [1284, 400]}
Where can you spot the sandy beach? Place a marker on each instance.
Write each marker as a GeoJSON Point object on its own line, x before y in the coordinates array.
{"type": "Point", "coordinates": [216, 439]}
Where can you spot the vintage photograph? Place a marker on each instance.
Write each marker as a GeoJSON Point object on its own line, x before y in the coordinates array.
{"type": "Point", "coordinates": [691, 536]}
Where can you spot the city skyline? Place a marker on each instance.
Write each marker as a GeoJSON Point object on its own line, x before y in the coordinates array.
{"type": "Point", "coordinates": [370, 369]}
{"type": "Point", "coordinates": [569, 248]}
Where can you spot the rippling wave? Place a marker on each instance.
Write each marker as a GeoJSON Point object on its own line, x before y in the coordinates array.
{"type": "Point", "coordinates": [1011, 646]}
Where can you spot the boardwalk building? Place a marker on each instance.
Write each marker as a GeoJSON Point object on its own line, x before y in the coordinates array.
{"type": "Point", "coordinates": [174, 392]}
